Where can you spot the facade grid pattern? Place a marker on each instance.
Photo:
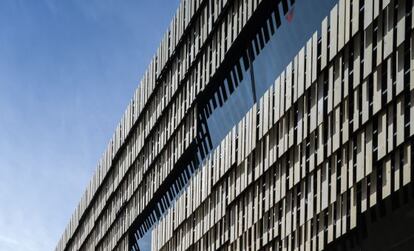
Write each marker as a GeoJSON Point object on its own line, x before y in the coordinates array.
{"type": "Point", "coordinates": [329, 140]}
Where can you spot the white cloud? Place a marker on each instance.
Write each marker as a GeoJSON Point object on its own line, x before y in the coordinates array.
{"type": "Point", "coordinates": [8, 241]}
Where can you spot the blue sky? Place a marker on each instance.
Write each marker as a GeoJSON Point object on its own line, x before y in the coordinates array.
{"type": "Point", "coordinates": [68, 69]}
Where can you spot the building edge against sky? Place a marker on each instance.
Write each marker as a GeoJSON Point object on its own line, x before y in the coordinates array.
{"type": "Point", "coordinates": [264, 125]}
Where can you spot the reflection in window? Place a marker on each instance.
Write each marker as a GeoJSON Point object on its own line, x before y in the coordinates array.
{"type": "Point", "coordinates": [274, 46]}
{"type": "Point", "coordinates": [144, 244]}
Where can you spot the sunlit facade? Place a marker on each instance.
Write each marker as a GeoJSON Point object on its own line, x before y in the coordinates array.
{"type": "Point", "coordinates": [264, 125]}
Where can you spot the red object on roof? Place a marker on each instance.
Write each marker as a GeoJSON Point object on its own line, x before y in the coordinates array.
{"type": "Point", "coordinates": [289, 15]}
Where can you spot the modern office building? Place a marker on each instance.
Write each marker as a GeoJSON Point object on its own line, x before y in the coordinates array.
{"type": "Point", "coordinates": [264, 125]}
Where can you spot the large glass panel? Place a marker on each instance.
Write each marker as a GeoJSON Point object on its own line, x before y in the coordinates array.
{"type": "Point", "coordinates": [145, 242]}
{"type": "Point", "coordinates": [298, 25]}
{"type": "Point", "coordinates": [275, 45]}
{"type": "Point", "coordinates": [225, 117]}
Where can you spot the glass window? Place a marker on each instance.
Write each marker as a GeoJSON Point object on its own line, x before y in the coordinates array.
{"type": "Point", "coordinates": [272, 51]}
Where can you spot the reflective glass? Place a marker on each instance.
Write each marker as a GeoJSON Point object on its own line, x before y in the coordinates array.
{"type": "Point", "coordinates": [292, 32]}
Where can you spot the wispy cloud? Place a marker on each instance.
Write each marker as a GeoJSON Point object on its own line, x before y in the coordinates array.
{"type": "Point", "coordinates": [8, 241]}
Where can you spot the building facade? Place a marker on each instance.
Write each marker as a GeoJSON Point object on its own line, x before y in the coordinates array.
{"type": "Point", "coordinates": [264, 125]}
